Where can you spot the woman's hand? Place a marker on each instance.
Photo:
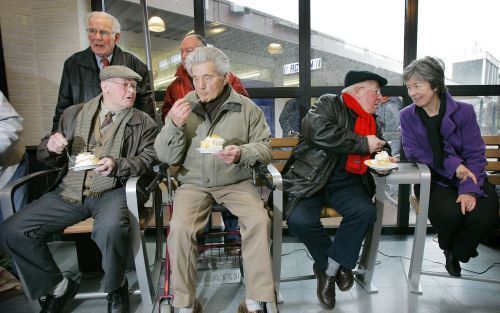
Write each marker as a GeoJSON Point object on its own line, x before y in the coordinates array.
{"type": "Point", "coordinates": [463, 173]}
{"type": "Point", "coordinates": [467, 202]}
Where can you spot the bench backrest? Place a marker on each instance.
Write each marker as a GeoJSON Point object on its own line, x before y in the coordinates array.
{"type": "Point", "coordinates": [493, 157]}
{"type": "Point", "coordinates": [282, 149]}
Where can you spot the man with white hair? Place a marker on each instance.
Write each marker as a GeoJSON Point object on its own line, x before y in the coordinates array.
{"type": "Point", "coordinates": [215, 108]}
{"type": "Point", "coordinates": [122, 138]}
{"type": "Point", "coordinates": [327, 169]}
{"type": "Point", "coordinates": [80, 78]}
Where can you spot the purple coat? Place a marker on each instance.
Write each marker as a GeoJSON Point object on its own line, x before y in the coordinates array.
{"type": "Point", "coordinates": [461, 138]}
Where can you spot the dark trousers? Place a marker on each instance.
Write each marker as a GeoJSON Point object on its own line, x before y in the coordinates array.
{"type": "Point", "coordinates": [25, 235]}
{"type": "Point", "coordinates": [358, 212]}
{"type": "Point", "coordinates": [460, 233]}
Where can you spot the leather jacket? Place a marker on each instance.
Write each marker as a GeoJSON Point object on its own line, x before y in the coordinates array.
{"type": "Point", "coordinates": [80, 81]}
{"type": "Point", "coordinates": [327, 132]}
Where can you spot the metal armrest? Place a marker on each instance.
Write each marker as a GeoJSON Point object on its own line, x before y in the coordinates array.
{"type": "Point", "coordinates": [7, 192]}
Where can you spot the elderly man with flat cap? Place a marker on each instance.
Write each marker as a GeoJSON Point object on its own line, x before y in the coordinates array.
{"type": "Point", "coordinates": [122, 138]}
{"type": "Point", "coordinates": [327, 169]}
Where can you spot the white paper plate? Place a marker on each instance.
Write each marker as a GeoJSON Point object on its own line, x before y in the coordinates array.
{"type": "Point", "coordinates": [210, 150]}
{"type": "Point", "coordinates": [83, 168]}
{"type": "Point", "coordinates": [373, 164]}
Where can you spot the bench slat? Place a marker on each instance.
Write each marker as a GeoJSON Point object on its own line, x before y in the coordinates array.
{"type": "Point", "coordinates": [493, 166]}
{"type": "Point", "coordinates": [492, 153]}
{"type": "Point", "coordinates": [494, 179]}
{"type": "Point", "coordinates": [282, 154]}
{"type": "Point", "coordinates": [284, 142]}
{"type": "Point", "coordinates": [491, 140]}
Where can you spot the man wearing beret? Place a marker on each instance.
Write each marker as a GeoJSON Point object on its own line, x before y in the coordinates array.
{"type": "Point", "coordinates": [327, 169]}
{"type": "Point", "coordinates": [122, 138]}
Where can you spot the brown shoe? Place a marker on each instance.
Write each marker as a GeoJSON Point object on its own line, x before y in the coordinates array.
{"type": "Point", "coordinates": [325, 289]}
{"type": "Point", "coordinates": [345, 279]}
{"type": "Point", "coordinates": [243, 308]}
{"type": "Point", "coordinates": [197, 307]}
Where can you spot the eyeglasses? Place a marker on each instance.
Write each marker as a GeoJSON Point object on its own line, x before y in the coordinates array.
{"type": "Point", "coordinates": [126, 86]}
{"type": "Point", "coordinates": [188, 50]}
{"type": "Point", "coordinates": [102, 32]}
{"type": "Point", "coordinates": [376, 91]}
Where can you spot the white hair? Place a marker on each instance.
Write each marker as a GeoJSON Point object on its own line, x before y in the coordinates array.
{"type": "Point", "coordinates": [205, 54]}
{"type": "Point", "coordinates": [115, 28]}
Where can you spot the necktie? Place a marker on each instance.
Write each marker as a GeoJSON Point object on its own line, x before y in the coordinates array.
{"type": "Point", "coordinates": [108, 119]}
{"type": "Point", "coordinates": [104, 62]}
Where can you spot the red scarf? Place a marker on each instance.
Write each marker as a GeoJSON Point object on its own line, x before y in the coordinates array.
{"type": "Point", "coordinates": [365, 125]}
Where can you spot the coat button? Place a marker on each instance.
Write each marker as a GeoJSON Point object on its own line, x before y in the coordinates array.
{"type": "Point", "coordinates": [207, 180]}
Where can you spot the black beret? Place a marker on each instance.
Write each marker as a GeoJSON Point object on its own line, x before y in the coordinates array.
{"type": "Point", "coordinates": [118, 71]}
{"type": "Point", "coordinates": [354, 77]}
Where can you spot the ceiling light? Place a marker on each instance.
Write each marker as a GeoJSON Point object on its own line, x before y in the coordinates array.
{"type": "Point", "coordinates": [275, 48]}
{"type": "Point", "coordinates": [216, 30]}
{"type": "Point", "coordinates": [156, 24]}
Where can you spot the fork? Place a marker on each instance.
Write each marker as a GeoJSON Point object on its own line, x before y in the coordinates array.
{"type": "Point", "coordinates": [71, 159]}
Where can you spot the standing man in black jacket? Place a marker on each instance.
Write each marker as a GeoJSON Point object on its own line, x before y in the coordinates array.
{"type": "Point", "coordinates": [327, 169]}
{"type": "Point", "coordinates": [80, 78]}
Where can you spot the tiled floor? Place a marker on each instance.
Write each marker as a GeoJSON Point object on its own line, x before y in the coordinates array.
{"type": "Point", "coordinates": [439, 294]}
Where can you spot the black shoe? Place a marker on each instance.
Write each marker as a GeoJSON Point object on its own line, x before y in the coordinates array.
{"type": "Point", "coordinates": [345, 278]}
{"type": "Point", "coordinates": [118, 300]}
{"type": "Point", "coordinates": [325, 289]}
{"type": "Point", "coordinates": [452, 264]}
{"type": "Point", "coordinates": [53, 304]}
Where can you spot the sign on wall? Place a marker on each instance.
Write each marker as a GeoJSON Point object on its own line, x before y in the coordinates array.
{"type": "Point", "coordinates": [293, 68]}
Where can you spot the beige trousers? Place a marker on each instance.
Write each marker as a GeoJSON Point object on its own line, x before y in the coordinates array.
{"type": "Point", "coordinates": [191, 212]}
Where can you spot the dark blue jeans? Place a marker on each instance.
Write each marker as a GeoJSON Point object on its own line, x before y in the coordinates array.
{"type": "Point", "coordinates": [349, 199]}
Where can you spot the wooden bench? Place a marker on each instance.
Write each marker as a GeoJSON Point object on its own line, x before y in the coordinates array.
{"type": "Point", "coordinates": [282, 150]}
{"type": "Point", "coordinates": [493, 157]}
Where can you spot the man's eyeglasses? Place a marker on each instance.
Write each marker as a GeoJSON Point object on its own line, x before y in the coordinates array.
{"type": "Point", "coordinates": [376, 91]}
{"type": "Point", "coordinates": [188, 50]}
{"type": "Point", "coordinates": [126, 86]}
{"type": "Point", "coordinates": [102, 32]}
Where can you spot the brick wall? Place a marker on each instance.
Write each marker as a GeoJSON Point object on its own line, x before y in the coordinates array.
{"type": "Point", "coordinates": [38, 35]}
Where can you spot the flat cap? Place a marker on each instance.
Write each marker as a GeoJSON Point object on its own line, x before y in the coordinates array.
{"type": "Point", "coordinates": [354, 77]}
{"type": "Point", "coordinates": [118, 71]}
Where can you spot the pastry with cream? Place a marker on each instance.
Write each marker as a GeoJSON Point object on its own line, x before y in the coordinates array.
{"type": "Point", "coordinates": [382, 159]}
{"type": "Point", "coordinates": [86, 159]}
{"type": "Point", "coordinates": [212, 142]}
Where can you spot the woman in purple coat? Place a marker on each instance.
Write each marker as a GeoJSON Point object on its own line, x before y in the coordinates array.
{"type": "Point", "coordinates": [443, 133]}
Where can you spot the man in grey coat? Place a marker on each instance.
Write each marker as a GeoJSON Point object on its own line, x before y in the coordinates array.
{"type": "Point", "coordinates": [214, 108]}
{"type": "Point", "coordinates": [122, 138]}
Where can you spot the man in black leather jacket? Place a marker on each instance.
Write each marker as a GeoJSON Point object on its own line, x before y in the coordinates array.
{"type": "Point", "coordinates": [327, 169]}
{"type": "Point", "coordinates": [80, 78]}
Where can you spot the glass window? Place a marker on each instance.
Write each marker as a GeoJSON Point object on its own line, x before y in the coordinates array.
{"type": "Point", "coordinates": [178, 18]}
{"type": "Point", "coordinates": [260, 38]}
{"type": "Point", "coordinates": [464, 35]}
{"type": "Point", "coordinates": [487, 113]}
{"type": "Point", "coordinates": [353, 35]}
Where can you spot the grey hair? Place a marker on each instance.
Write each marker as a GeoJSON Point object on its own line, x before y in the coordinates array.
{"type": "Point", "coordinates": [427, 69]}
{"type": "Point", "coordinates": [200, 38]}
{"type": "Point", "coordinates": [115, 28]}
{"type": "Point", "coordinates": [206, 54]}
